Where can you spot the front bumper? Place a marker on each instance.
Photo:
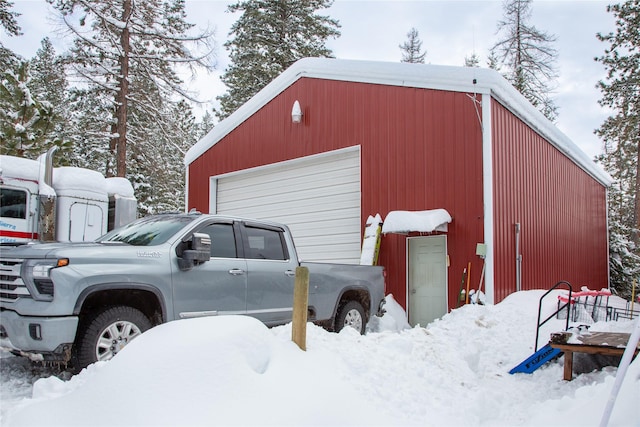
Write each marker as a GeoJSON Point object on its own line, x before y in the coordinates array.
{"type": "Point", "coordinates": [39, 338]}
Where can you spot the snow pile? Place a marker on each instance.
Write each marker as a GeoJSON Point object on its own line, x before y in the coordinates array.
{"type": "Point", "coordinates": [120, 186]}
{"type": "Point", "coordinates": [20, 168]}
{"type": "Point", "coordinates": [423, 221]}
{"type": "Point", "coordinates": [235, 371]}
{"type": "Point", "coordinates": [68, 180]}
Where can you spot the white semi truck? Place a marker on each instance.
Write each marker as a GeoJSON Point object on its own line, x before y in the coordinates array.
{"type": "Point", "coordinates": [40, 203]}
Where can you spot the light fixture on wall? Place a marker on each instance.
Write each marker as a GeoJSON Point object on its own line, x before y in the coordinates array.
{"type": "Point", "coordinates": [296, 112]}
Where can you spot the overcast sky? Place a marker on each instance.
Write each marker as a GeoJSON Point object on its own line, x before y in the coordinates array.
{"type": "Point", "coordinates": [449, 30]}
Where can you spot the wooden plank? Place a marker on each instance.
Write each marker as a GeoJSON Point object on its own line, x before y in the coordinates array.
{"type": "Point", "coordinates": [300, 307]}
{"type": "Point", "coordinates": [610, 339]}
{"type": "Point", "coordinates": [606, 343]}
{"type": "Point", "coordinates": [591, 349]}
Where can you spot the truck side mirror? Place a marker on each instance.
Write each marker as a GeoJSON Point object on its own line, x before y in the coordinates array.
{"type": "Point", "coordinates": [197, 251]}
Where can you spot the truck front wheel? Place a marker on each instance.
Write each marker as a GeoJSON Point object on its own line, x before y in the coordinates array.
{"type": "Point", "coordinates": [351, 314]}
{"type": "Point", "coordinates": [107, 332]}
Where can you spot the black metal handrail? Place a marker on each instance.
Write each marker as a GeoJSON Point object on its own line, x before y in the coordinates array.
{"type": "Point", "coordinates": [567, 305]}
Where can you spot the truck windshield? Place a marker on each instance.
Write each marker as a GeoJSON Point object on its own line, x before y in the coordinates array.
{"type": "Point", "coordinates": [149, 231]}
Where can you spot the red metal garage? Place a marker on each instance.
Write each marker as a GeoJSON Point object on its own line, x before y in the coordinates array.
{"type": "Point", "coordinates": [379, 137]}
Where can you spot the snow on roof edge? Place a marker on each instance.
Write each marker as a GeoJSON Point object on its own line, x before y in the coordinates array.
{"type": "Point", "coordinates": [439, 77]}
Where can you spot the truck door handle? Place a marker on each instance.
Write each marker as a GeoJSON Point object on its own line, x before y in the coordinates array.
{"type": "Point", "coordinates": [236, 272]}
{"type": "Point", "coordinates": [290, 273]}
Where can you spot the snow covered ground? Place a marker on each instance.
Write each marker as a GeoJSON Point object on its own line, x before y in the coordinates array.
{"type": "Point", "coordinates": [235, 371]}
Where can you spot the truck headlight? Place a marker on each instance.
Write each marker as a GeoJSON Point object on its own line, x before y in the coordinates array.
{"type": "Point", "coordinates": [37, 277]}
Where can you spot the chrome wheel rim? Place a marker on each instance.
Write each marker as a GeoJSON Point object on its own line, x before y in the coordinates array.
{"type": "Point", "coordinates": [353, 319]}
{"type": "Point", "coordinates": [114, 338]}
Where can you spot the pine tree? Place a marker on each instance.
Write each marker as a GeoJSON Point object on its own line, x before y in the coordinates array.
{"type": "Point", "coordinates": [472, 61]}
{"type": "Point", "coordinates": [269, 36]}
{"type": "Point", "coordinates": [528, 55]}
{"type": "Point", "coordinates": [158, 167]}
{"type": "Point", "coordinates": [23, 118]}
{"type": "Point", "coordinates": [411, 49]}
{"type": "Point", "coordinates": [8, 59]}
{"type": "Point", "coordinates": [8, 19]}
{"type": "Point", "coordinates": [492, 62]}
{"type": "Point", "coordinates": [90, 122]}
{"type": "Point", "coordinates": [621, 135]}
{"type": "Point", "coordinates": [204, 126]}
{"type": "Point", "coordinates": [118, 41]}
{"type": "Point", "coordinates": [48, 84]}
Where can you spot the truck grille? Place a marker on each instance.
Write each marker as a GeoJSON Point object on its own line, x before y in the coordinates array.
{"type": "Point", "coordinates": [11, 285]}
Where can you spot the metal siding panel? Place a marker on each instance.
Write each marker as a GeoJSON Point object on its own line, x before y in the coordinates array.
{"type": "Point", "coordinates": [420, 148]}
{"type": "Point", "coordinates": [562, 211]}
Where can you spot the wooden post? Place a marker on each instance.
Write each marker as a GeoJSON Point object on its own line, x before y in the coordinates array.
{"type": "Point", "coordinates": [568, 365]}
{"type": "Point", "coordinates": [300, 304]}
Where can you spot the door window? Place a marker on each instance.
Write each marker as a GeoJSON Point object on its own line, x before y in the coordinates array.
{"type": "Point", "coordinates": [265, 244]}
{"type": "Point", "coordinates": [223, 241]}
{"type": "Point", "coordinates": [13, 203]}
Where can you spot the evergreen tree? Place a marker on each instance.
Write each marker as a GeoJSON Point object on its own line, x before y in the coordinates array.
{"type": "Point", "coordinates": [204, 126]}
{"type": "Point", "coordinates": [23, 118]}
{"type": "Point", "coordinates": [411, 49]}
{"type": "Point", "coordinates": [528, 55]}
{"type": "Point", "coordinates": [8, 59]}
{"type": "Point", "coordinates": [269, 36]}
{"type": "Point", "coordinates": [472, 61]}
{"type": "Point", "coordinates": [183, 124]}
{"type": "Point", "coordinates": [492, 62]}
{"type": "Point", "coordinates": [8, 19]}
{"type": "Point", "coordinates": [34, 106]}
{"type": "Point", "coordinates": [621, 135]}
{"type": "Point", "coordinates": [119, 41]}
{"type": "Point", "coordinates": [158, 169]}
{"type": "Point", "coordinates": [48, 84]}
{"type": "Point", "coordinates": [90, 122]}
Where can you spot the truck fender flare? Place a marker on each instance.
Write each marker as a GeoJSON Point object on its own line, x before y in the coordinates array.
{"type": "Point", "coordinates": [354, 288]}
{"type": "Point", "coordinates": [120, 287]}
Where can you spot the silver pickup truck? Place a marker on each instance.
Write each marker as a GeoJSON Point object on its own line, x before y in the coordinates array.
{"type": "Point", "coordinates": [77, 303]}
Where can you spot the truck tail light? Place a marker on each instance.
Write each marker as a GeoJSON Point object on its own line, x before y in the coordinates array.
{"type": "Point", "coordinates": [384, 275]}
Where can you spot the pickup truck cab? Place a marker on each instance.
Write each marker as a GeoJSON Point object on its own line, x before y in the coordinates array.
{"type": "Point", "coordinates": [82, 302]}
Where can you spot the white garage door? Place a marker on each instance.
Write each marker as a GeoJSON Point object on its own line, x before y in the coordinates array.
{"type": "Point", "coordinates": [318, 197]}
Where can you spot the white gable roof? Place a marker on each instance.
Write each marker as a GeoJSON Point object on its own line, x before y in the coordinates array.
{"type": "Point", "coordinates": [459, 79]}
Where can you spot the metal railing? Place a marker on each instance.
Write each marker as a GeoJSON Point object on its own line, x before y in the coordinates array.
{"type": "Point", "coordinates": [593, 306]}
{"type": "Point", "coordinates": [566, 305]}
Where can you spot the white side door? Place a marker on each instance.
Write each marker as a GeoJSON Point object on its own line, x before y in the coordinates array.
{"type": "Point", "coordinates": [86, 222]}
{"type": "Point", "coordinates": [427, 279]}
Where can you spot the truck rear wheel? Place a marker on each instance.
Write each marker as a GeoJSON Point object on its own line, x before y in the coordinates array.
{"type": "Point", "coordinates": [351, 314]}
{"type": "Point", "coordinates": [108, 332]}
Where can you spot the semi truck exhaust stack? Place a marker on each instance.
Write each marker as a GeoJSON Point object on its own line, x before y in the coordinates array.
{"type": "Point", "coordinates": [47, 200]}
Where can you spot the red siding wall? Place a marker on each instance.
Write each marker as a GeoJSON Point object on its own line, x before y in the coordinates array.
{"type": "Point", "coordinates": [421, 149]}
{"type": "Point", "coordinates": [561, 209]}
